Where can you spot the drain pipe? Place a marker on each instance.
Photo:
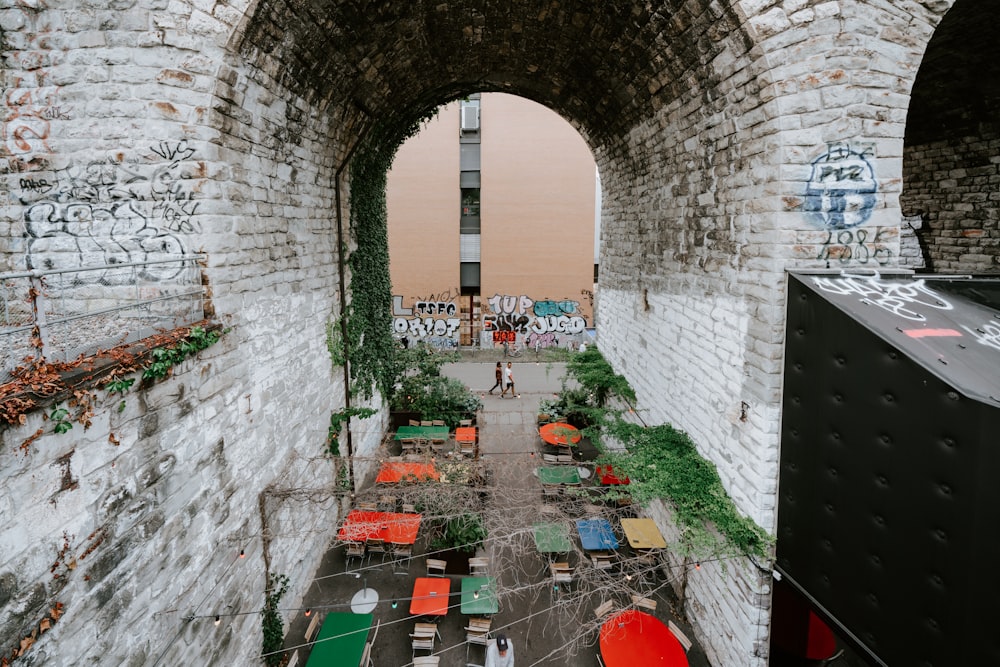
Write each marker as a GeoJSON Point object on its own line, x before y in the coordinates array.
{"type": "Point", "coordinates": [343, 316]}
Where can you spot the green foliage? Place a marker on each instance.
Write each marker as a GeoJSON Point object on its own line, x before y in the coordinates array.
{"type": "Point", "coordinates": [464, 532]}
{"type": "Point", "coordinates": [60, 421]}
{"type": "Point", "coordinates": [370, 345]}
{"type": "Point", "coordinates": [421, 388]}
{"type": "Point", "coordinates": [661, 462]}
{"type": "Point", "coordinates": [337, 421]}
{"type": "Point", "coordinates": [165, 358]}
{"type": "Point", "coordinates": [335, 343]}
{"type": "Point", "coordinates": [271, 623]}
{"type": "Point", "coordinates": [119, 385]}
{"type": "Point", "coordinates": [597, 376]}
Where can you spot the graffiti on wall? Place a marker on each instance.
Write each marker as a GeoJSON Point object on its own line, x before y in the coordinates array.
{"type": "Point", "coordinates": [860, 246]}
{"type": "Point", "coordinates": [111, 212]}
{"type": "Point", "coordinates": [520, 314]}
{"type": "Point", "coordinates": [431, 321]}
{"type": "Point", "coordinates": [987, 334]}
{"type": "Point", "coordinates": [841, 190]}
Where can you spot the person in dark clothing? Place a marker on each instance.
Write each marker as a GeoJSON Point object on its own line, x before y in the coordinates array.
{"type": "Point", "coordinates": [499, 382]}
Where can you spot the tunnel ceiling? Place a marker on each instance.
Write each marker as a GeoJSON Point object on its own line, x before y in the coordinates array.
{"type": "Point", "coordinates": [601, 65]}
{"type": "Point", "coordinates": [958, 85]}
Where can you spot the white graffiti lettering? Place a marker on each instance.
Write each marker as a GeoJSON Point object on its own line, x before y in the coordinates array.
{"type": "Point", "coordinates": [560, 324]}
{"type": "Point", "coordinates": [988, 335]}
{"type": "Point", "coordinates": [428, 326]}
{"type": "Point", "coordinates": [895, 297]}
{"type": "Point", "coordinates": [508, 304]}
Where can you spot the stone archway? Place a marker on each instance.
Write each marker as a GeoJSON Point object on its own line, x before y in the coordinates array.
{"type": "Point", "coordinates": [735, 139]}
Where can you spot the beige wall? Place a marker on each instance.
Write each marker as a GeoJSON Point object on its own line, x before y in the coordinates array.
{"type": "Point", "coordinates": [537, 212]}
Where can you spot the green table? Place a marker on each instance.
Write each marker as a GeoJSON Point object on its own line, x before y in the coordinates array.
{"type": "Point", "coordinates": [486, 603]}
{"type": "Point", "coordinates": [341, 641]}
{"type": "Point", "coordinates": [552, 538]}
{"type": "Point", "coordinates": [559, 475]}
{"type": "Point", "coordinates": [425, 432]}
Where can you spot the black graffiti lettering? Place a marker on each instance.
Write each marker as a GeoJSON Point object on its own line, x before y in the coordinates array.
{"type": "Point", "coordinates": [35, 185]}
{"type": "Point", "coordinates": [854, 246]}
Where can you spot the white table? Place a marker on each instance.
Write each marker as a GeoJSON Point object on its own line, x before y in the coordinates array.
{"type": "Point", "coordinates": [364, 601]}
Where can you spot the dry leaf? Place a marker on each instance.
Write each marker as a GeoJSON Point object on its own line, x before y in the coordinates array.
{"type": "Point", "coordinates": [26, 643]}
{"type": "Point", "coordinates": [45, 624]}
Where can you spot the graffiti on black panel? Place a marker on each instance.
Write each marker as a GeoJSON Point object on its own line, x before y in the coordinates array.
{"type": "Point", "coordinates": [904, 299]}
{"type": "Point", "coordinates": [988, 334]}
{"type": "Point", "coordinates": [111, 212]}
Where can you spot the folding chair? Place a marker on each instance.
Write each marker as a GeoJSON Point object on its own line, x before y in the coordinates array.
{"type": "Point", "coordinates": [414, 422]}
{"type": "Point", "coordinates": [562, 573]}
{"type": "Point", "coordinates": [601, 559]}
{"type": "Point", "coordinates": [426, 661]}
{"type": "Point", "coordinates": [366, 656]}
{"type": "Point", "coordinates": [427, 423]}
{"type": "Point", "coordinates": [437, 422]}
{"type": "Point", "coordinates": [353, 550]}
{"type": "Point", "coordinates": [465, 422]}
{"type": "Point", "coordinates": [604, 609]}
{"type": "Point", "coordinates": [477, 632]}
{"type": "Point", "coordinates": [387, 503]}
{"type": "Point", "coordinates": [376, 546]}
{"type": "Point", "coordinates": [312, 627]}
{"type": "Point", "coordinates": [409, 508]}
{"type": "Point", "coordinates": [401, 555]}
{"type": "Point", "coordinates": [423, 636]}
{"type": "Point", "coordinates": [681, 637]}
{"type": "Point", "coordinates": [435, 567]}
{"type": "Point", "coordinates": [646, 603]}
{"type": "Point", "coordinates": [368, 506]}
{"type": "Point", "coordinates": [479, 567]}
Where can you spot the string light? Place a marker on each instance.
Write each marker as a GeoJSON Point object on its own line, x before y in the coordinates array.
{"type": "Point", "coordinates": [243, 553]}
{"type": "Point", "coordinates": [395, 604]}
{"type": "Point", "coordinates": [475, 594]}
{"type": "Point", "coordinates": [309, 612]}
{"type": "Point", "coordinates": [218, 619]}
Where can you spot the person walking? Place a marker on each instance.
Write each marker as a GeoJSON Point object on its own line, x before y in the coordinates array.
{"type": "Point", "coordinates": [499, 382]}
{"type": "Point", "coordinates": [509, 374]}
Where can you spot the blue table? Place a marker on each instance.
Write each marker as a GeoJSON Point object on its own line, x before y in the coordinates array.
{"type": "Point", "coordinates": [596, 535]}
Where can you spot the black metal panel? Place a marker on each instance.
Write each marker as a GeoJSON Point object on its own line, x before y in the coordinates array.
{"type": "Point", "coordinates": [889, 505]}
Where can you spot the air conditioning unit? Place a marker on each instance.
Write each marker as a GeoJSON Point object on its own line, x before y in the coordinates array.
{"type": "Point", "coordinates": [470, 118]}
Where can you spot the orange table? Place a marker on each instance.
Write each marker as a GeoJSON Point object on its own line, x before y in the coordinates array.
{"type": "Point", "coordinates": [361, 525]}
{"type": "Point", "coordinates": [465, 434]}
{"type": "Point", "coordinates": [634, 638]}
{"type": "Point", "coordinates": [560, 433]}
{"type": "Point", "coordinates": [394, 472]}
{"type": "Point", "coordinates": [430, 596]}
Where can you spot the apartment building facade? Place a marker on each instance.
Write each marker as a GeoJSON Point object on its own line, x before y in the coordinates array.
{"type": "Point", "coordinates": [491, 216]}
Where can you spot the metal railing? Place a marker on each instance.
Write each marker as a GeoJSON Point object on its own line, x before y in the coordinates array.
{"type": "Point", "coordinates": [59, 314]}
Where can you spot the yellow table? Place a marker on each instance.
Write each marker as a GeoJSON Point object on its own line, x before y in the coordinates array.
{"type": "Point", "coordinates": [643, 534]}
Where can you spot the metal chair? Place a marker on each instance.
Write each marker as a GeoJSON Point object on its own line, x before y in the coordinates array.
{"type": "Point", "coordinates": [479, 567]}
{"type": "Point", "coordinates": [426, 661]}
{"type": "Point", "coordinates": [604, 609]}
{"type": "Point", "coordinates": [562, 574]}
{"type": "Point", "coordinates": [645, 603]}
{"type": "Point", "coordinates": [353, 550]}
{"type": "Point", "coordinates": [478, 633]}
{"type": "Point", "coordinates": [436, 567]}
{"type": "Point", "coordinates": [401, 555]}
{"type": "Point", "coordinates": [423, 636]}
{"type": "Point", "coordinates": [366, 656]}
{"type": "Point", "coordinates": [376, 546]}
{"type": "Point", "coordinates": [681, 637]}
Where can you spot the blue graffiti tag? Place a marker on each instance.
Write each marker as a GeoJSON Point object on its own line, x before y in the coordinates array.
{"type": "Point", "coordinates": [841, 189]}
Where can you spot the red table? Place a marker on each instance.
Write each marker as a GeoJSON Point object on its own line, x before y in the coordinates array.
{"type": "Point", "coordinates": [393, 527]}
{"type": "Point", "coordinates": [465, 434]}
{"type": "Point", "coordinates": [633, 638]}
{"type": "Point", "coordinates": [560, 433]}
{"type": "Point", "coordinates": [607, 476]}
{"type": "Point", "coordinates": [430, 596]}
{"type": "Point", "coordinates": [394, 472]}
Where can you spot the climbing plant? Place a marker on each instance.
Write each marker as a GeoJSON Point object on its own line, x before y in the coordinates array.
{"type": "Point", "coordinates": [370, 346]}
{"type": "Point", "coordinates": [661, 462]}
{"type": "Point", "coordinates": [271, 623]}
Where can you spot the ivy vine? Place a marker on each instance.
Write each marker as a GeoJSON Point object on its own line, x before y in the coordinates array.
{"type": "Point", "coordinates": [661, 462]}
{"type": "Point", "coordinates": [370, 345]}
{"type": "Point", "coordinates": [271, 622]}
